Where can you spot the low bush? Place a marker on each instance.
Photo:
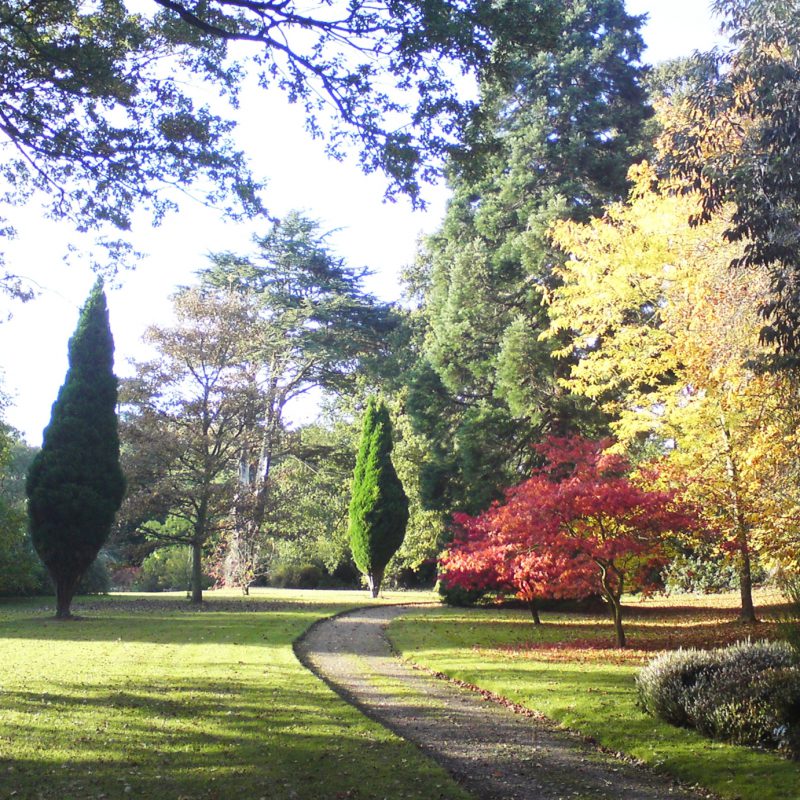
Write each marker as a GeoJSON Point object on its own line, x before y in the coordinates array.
{"type": "Point", "coordinates": [303, 576]}
{"type": "Point", "coordinates": [747, 694]}
{"type": "Point", "coordinates": [789, 628]}
{"type": "Point", "coordinates": [168, 570]}
{"type": "Point", "coordinates": [458, 597]}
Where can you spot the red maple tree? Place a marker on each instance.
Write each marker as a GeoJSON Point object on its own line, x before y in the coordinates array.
{"type": "Point", "coordinates": [578, 525]}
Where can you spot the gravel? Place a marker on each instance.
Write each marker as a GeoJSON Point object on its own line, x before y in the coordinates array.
{"type": "Point", "coordinates": [493, 749]}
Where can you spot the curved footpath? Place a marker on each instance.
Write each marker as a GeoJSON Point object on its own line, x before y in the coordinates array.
{"type": "Point", "coordinates": [487, 747]}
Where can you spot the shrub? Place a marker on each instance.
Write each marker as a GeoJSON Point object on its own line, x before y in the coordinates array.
{"type": "Point", "coordinates": [457, 596]}
{"type": "Point", "coordinates": [704, 572]}
{"type": "Point", "coordinates": [168, 570]}
{"type": "Point", "coordinates": [667, 684]}
{"type": "Point", "coordinates": [290, 576]}
{"type": "Point", "coordinates": [748, 693]}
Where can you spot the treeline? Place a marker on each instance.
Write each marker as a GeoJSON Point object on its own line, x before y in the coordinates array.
{"type": "Point", "coordinates": [618, 260]}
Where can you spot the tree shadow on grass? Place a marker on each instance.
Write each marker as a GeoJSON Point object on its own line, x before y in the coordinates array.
{"type": "Point", "coordinates": [196, 739]}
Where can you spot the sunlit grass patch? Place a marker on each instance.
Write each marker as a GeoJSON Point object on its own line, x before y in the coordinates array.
{"type": "Point", "coordinates": [146, 698]}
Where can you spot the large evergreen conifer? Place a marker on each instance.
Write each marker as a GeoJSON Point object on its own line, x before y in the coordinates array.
{"type": "Point", "coordinates": [379, 506]}
{"type": "Point", "coordinates": [75, 483]}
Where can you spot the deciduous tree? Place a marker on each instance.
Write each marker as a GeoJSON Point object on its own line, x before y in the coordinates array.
{"type": "Point", "coordinates": [185, 416]}
{"type": "Point", "coordinates": [667, 336]}
{"type": "Point", "coordinates": [580, 508]}
{"type": "Point", "coordinates": [737, 143]}
{"type": "Point", "coordinates": [314, 327]}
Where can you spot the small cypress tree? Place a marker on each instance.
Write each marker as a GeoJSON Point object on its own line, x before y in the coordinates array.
{"type": "Point", "coordinates": [379, 506]}
{"type": "Point", "coordinates": [75, 483]}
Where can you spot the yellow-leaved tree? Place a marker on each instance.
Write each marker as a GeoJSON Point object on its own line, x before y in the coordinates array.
{"type": "Point", "coordinates": [666, 337]}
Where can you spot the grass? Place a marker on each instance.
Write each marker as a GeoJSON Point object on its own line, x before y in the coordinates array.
{"type": "Point", "coordinates": [145, 698]}
{"type": "Point", "coordinates": [570, 671]}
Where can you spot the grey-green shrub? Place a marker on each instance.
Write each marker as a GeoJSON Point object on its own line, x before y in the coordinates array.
{"type": "Point", "coordinates": [748, 693]}
{"type": "Point", "coordinates": [667, 684]}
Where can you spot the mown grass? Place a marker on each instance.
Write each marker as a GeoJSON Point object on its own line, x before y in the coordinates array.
{"type": "Point", "coordinates": [145, 698]}
{"type": "Point", "coordinates": [569, 671]}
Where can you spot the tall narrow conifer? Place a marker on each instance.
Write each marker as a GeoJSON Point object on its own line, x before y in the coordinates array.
{"type": "Point", "coordinates": [75, 483]}
{"type": "Point", "coordinates": [379, 506]}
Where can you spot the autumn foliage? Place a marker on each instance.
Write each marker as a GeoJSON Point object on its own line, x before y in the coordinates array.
{"type": "Point", "coordinates": [579, 525]}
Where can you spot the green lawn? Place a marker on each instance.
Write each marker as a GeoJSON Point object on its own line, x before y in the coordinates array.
{"type": "Point", "coordinates": [568, 671]}
{"type": "Point", "coordinates": [145, 698]}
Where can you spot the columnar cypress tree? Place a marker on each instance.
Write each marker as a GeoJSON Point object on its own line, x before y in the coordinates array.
{"type": "Point", "coordinates": [75, 483]}
{"type": "Point", "coordinates": [379, 506]}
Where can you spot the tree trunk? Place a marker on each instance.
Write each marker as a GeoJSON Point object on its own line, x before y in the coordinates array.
{"type": "Point", "coordinates": [246, 590]}
{"type": "Point", "coordinates": [613, 599]}
{"type": "Point", "coordinates": [534, 612]}
{"type": "Point", "coordinates": [748, 611]}
{"type": "Point", "coordinates": [65, 591]}
{"type": "Point", "coordinates": [616, 617]}
{"type": "Point", "coordinates": [374, 580]}
{"type": "Point", "coordinates": [197, 573]}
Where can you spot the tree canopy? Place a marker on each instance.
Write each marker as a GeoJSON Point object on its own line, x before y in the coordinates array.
{"type": "Point", "coordinates": [553, 140]}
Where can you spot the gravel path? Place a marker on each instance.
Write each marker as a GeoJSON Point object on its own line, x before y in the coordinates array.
{"type": "Point", "coordinates": [488, 748]}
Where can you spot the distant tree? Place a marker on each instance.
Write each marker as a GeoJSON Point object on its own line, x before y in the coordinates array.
{"type": "Point", "coordinates": [379, 506]}
{"type": "Point", "coordinates": [313, 327]}
{"type": "Point", "coordinates": [75, 484]}
{"type": "Point", "coordinates": [185, 416]}
{"type": "Point", "coordinates": [20, 569]}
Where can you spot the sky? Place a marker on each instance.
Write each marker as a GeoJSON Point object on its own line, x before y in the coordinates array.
{"type": "Point", "coordinates": [366, 231]}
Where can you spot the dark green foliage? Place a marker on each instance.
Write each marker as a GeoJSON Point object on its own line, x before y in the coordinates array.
{"type": "Point", "coordinates": [21, 571]}
{"type": "Point", "coordinates": [745, 694]}
{"type": "Point", "coordinates": [96, 579]}
{"type": "Point", "coordinates": [379, 506]}
{"type": "Point", "coordinates": [553, 139]}
{"type": "Point", "coordinates": [75, 484]}
{"type": "Point", "coordinates": [743, 149]}
{"type": "Point", "coordinates": [305, 576]}
{"type": "Point", "coordinates": [95, 114]}
{"type": "Point", "coordinates": [93, 120]}
{"type": "Point", "coordinates": [168, 569]}
{"type": "Point", "coordinates": [459, 597]}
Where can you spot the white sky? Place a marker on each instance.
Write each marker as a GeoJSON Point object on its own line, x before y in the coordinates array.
{"type": "Point", "coordinates": [372, 233]}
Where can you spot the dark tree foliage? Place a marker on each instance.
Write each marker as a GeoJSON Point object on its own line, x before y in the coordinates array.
{"type": "Point", "coordinates": [95, 111]}
{"type": "Point", "coordinates": [75, 484]}
{"type": "Point", "coordinates": [381, 75]}
{"type": "Point", "coordinates": [378, 506]}
{"type": "Point", "coordinates": [741, 145]}
{"type": "Point", "coordinates": [553, 139]}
